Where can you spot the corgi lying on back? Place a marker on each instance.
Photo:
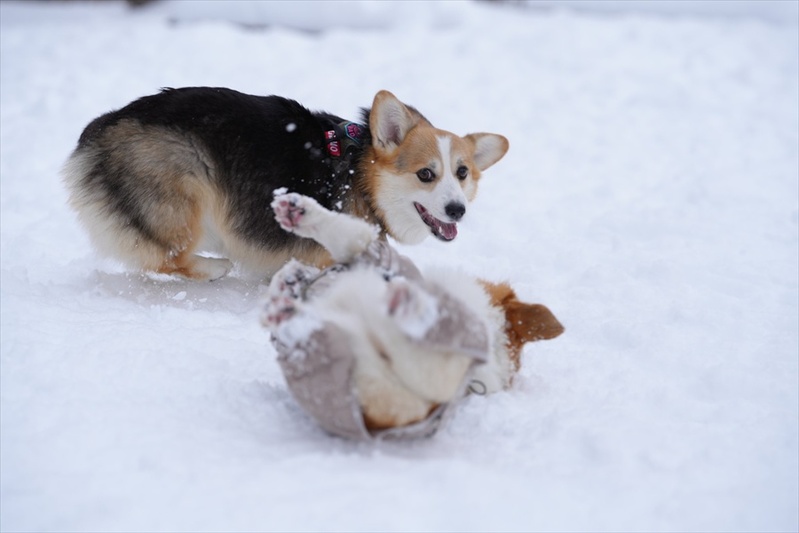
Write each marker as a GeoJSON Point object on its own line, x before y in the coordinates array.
{"type": "Point", "coordinates": [370, 348]}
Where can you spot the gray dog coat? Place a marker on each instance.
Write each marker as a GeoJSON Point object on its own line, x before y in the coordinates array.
{"type": "Point", "coordinates": [318, 364]}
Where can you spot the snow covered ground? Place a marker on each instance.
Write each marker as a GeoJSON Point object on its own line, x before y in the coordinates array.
{"type": "Point", "coordinates": [650, 198]}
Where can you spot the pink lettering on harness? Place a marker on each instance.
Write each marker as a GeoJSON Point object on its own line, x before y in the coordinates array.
{"type": "Point", "coordinates": [353, 131]}
{"type": "Point", "coordinates": [333, 146]}
{"type": "Point", "coordinates": [334, 149]}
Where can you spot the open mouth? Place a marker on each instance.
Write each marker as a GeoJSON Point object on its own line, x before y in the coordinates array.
{"type": "Point", "coordinates": [443, 230]}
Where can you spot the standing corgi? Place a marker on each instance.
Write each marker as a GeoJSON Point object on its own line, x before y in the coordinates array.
{"type": "Point", "coordinates": [193, 170]}
{"type": "Point", "coordinates": [370, 347]}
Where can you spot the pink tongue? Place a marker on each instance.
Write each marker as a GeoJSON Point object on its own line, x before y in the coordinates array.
{"type": "Point", "coordinates": [443, 230]}
{"type": "Point", "coordinates": [448, 231]}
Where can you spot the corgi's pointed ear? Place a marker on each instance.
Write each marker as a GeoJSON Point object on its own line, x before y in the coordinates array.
{"type": "Point", "coordinates": [532, 322]}
{"type": "Point", "coordinates": [389, 121]}
{"type": "Point", "coordinates": [488, 148]}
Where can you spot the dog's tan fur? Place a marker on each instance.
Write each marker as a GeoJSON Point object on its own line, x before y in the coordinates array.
{"type": "Point", "coordinates": [523, 322]}
{"type": "Point", "coordinates": [155, 196]}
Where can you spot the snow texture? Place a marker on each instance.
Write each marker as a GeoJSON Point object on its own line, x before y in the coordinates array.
{"type": "Point", "coordinates": [649, 198]}
{"type": "Point", "coordinates": [417, 311]}
{"type": "Point", "coordinates": [296, 330]}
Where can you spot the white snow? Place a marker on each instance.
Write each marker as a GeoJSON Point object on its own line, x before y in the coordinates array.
{"type": "Point", "coordinates": [776, 11]}
{"type": "Point", "coordinates": [298, 329]}
{"type": "Point", "coordinates": [650, 198]}
{"type": "Point", "coordinates": [416, 312]}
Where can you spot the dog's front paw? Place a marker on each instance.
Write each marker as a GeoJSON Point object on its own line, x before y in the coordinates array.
{"type": "Point", "coordinates": [292, 278]}
{"type": "Point", "coordinates": [277, 310]}
{"type": "Point", "coordinates": [289, 210]}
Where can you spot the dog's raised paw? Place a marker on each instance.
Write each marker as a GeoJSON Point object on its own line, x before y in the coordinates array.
{"type": "Point", "coordinates": [289, 210]}
{"type": "Point", "coordinates": [291, 279]}
{"type": "Point", "coordinates": [277, 310]}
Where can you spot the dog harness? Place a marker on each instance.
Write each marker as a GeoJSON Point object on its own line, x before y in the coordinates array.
{"type": "Point", "coordinates": [342, 142]}
{"type": "Point", "coordinates": [318, 365]}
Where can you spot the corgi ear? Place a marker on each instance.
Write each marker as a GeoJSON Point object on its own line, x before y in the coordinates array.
{"type": "Point", "coordinates": [488, 148]}
{"type": "Point", "coordinates": [389, 120]}
{"type": "Point", "coordinates": [532, 322]}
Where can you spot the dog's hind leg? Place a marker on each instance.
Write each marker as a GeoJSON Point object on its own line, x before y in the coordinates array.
{"type": "Point", "coordinates": [142, 193]}
{"type": "Point", "coordinates": [167, 231]}
{"type": "Point", "coordinates": [172, 249]}
{"type": "Point", "coordinates": [181, 230]}
{"type": "Point", "coordinates": [177, 223]}
{"type": "Point", "coordinates": [196, 267]}
{"type": "Point", "coordinates": [344, 236]}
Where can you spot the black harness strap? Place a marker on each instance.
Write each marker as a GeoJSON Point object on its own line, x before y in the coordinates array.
{"type": "Point", "coordinates": [342, 142]}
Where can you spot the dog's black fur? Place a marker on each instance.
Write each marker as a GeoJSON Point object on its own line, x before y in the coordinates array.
{"type": "Point", "coordinates": [193, 170]}
{"type": "Point", "coordinates": [256, 144]}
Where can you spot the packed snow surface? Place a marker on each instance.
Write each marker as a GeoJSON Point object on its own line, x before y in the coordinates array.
{"type": "Point", "coordinates": [649, 198]}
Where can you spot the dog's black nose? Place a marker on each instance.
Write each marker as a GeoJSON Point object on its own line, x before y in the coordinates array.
{"type": "Point", "coordinates": [455, 210]}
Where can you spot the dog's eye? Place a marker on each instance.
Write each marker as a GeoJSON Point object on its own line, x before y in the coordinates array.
{"type": "Point", "coordinates": [426, 175]}
{"type": "Point", "coordinates": [462, 172]}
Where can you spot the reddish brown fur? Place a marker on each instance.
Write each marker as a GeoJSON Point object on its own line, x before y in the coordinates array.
{"type": "Point", "coordinates": [173, 190]}
{"type": "Point", "coordinates": [385, 422]}
{"type": "Point", "coordinates": [373, 161]}
{"type": "Point", "coordinates": [182, 263]}
{"type": "Point", "coordinates": [523, 322]}
{"type": "Point", "coordinates": [403, 142]}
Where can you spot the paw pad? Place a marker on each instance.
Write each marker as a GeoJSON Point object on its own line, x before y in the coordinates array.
{"type": "Point", "coordinates": [289, 210]}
